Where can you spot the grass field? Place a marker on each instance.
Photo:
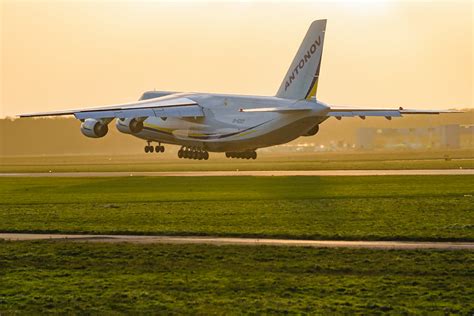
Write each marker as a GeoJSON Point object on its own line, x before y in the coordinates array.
{"type": "Point", "coordinates": [61, 277]}
{"type": "Point", "coordinates": [366, 208]}
{"type": "Point", "coordinates": [266, 161]}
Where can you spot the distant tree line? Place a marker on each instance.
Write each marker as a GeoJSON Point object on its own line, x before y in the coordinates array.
{"type": "Point", "coordinates": [56, 136]}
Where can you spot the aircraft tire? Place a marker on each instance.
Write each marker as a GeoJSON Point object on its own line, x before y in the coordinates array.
{"type": "Point", "coordinates": [206, 155]}
{"type": "Point", "coordinates": [147, 149]}
{"type": "Point", "coordinates": [180, 153]}
{"type": "Point", "coordinates": [151, 149]}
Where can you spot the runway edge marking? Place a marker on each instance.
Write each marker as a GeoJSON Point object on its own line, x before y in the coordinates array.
{"type": "Point", "coordinates": [258, 173]}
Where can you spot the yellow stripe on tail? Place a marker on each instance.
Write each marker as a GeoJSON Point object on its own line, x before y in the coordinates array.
{"type": "Point", "coordinates": [312, 93]}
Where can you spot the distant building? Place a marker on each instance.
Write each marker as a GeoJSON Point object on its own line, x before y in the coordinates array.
{"type": "Point", "coordinates": [446, 136]}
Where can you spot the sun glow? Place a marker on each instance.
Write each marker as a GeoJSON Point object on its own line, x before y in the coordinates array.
{"type": "Point", "coordinates": [85, 53]}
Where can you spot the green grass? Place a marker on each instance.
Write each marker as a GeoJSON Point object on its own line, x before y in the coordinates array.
{"type": "Point", "coordinates": [266, 161]}
{"type": "Point", "coordinates": [97, 278]}
{"type": "Point", "coordinates": [366, 208]}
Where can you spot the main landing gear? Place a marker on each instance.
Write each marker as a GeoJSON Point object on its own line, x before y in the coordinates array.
{"type": "Point", "coordinates": [158, 149]}
{"type": "Point", "coordinates": [242, 155]}
{"type": "Point", "coordinates": [193, 153]}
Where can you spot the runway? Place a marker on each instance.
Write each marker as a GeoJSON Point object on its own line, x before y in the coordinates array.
{"type": "Point", "coordinates": [270, 173]}
{"type": "Point", "coordinates": [220, 241]}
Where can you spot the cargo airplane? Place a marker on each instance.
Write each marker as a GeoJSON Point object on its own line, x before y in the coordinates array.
{"type": "Point", "coordinates": [235, 124]}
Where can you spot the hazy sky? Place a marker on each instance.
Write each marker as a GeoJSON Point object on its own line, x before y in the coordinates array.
{"type": "Point", "coordinates": [68, 54]}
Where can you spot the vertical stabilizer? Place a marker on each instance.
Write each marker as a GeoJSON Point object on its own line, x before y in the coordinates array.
{"type": "Point", "coordinates": [301, 80]}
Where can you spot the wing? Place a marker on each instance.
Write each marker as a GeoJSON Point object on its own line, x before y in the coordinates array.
{"type": "Point", "coordinates": [345, 111]}
{"type": "Point", "coordinates": [279, 109]}
{"type": "Point", "coordinates": [168, 106]}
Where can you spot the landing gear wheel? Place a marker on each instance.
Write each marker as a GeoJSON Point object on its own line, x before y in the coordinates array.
{"type": "Point", "coordinates": [254, 155]}
{"type": "Point", "coordinates": [147, 149]}
{"type": "Point", "coordinates": [162, 149]}
{"type": "Point", "coordinates": [192, 153]}
{"type": "Point", "coordinates": [151, 149]}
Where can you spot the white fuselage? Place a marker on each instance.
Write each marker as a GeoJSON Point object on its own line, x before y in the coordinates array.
{"type": "Point", "coordinates": [225, 128]}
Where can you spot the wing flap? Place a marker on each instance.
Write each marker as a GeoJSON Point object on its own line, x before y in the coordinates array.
{"type": "Point", "coordinates": [277, 109]}
{"type": "Point", "coordinates": [363, 113]}
{"type": "Point", "coordinates": [382, 112]}
{"type": "Point", "coordinates": [169, 111]}
{"type": "Point", "coordinates": [164, 106]}
{"type": "Point", "coordinates": [180, 111]}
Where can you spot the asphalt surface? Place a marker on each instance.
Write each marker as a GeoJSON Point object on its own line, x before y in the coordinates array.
{"type": "Point", "coordinates": [242, 241]}
{"type": "Point", "coordinates": [320, 173]}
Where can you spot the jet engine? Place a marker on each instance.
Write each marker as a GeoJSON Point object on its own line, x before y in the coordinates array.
{"type": "Point", "coordinates": [94, 128]}
{"type": "Point", "coordinates": [129, 125]}
{"type": "Point", "coordinates": [312, 131]}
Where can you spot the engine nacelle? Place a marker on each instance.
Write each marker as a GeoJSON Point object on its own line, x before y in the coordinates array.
{"type": "Point", "coordinates": [94, 128]}
{"type": "Point", "coordinates": [129, 125]}
{"type": "Point", "coordinates": [312, 131]}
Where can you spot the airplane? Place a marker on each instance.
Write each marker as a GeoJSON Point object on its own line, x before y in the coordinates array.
{"type": "Point", "coordinates": [236, 125]}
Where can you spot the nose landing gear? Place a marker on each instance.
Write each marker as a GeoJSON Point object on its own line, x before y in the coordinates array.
{"type": "Point", "coordinates": [158, 149]}
{"type": "Point", "coordinates": [193, 153]}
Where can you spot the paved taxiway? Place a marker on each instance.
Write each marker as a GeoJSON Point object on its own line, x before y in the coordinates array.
{"type": "Point", "coordinates": [243, 241]}
{"type": "Point", "coordinates": [320, 173]}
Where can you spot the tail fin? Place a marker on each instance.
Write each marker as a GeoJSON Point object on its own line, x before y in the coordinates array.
{"type": "Point", "coordinates": [301, 80]}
